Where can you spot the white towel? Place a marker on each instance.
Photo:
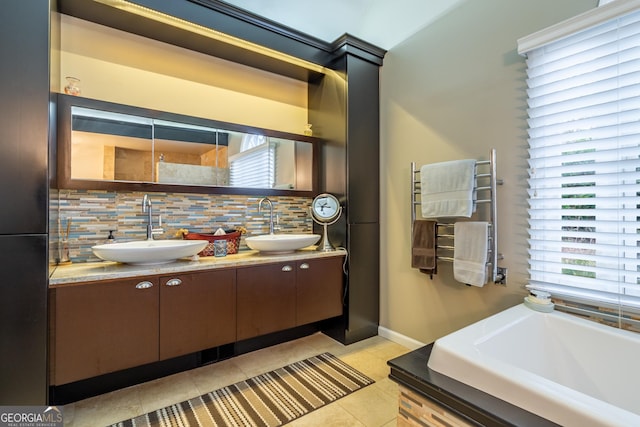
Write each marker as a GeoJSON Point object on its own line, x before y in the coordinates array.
{"type": "Point", "coordinates": [470, 252]}
{"type": "Point", "coordinates": [447, 189]}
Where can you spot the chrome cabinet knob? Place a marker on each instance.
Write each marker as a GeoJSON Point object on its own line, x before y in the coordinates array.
{"type": "Point", "coordinates": [144, 285]}
{"type": "Point", "coordinates": [174, 282]}
{"type": "Point", "coordinates": [287, 268]}
{"type": "Point", "coordinates": [304, 266]}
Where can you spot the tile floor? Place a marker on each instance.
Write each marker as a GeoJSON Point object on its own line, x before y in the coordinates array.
{"type": "Point", "coordinates": [373, 406]}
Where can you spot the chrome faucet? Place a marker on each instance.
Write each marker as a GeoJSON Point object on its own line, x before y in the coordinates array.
{"type": "Point", "coordinates": [270, 203]}
{"type": "Point", "coordinates": [146, 208]}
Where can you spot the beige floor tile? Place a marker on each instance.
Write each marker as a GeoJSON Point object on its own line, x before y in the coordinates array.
{"type": "Point", "coordinates": [387, 350]}
{"type": "Point", "coordinates": [331, 415]}
{"type": "Point", "coordinates": [371, 406]}
{"type": "Point", "coordinates": [388, 386]}
{"type": "Point", "coordinates": [260, 361]}
{"type": "Point", "coordinates": [212, 377]}
{"type": "Point", "coordinates": [167, 391]}
{"type": "Point", "coordinates": [69, 414]}
{"type": "Point", "coordinates": [365, 344]}
{"type": "Point", "coordinates": [105, 409]}
{"type": "Point", "coordinates": [374, 367]}
{"type": "Point", "coordinates": [322, 343]}
{"type": "Point", "coordinates": [274, 357]}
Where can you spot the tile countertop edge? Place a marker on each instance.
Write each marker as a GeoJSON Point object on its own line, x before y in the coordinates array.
{"type": "Point", "coordinates": [410, 370]}
{"type": "Point", "coordinates": [105, 270]}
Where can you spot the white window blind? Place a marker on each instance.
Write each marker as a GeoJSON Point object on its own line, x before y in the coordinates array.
{"type": "Point", "coordinates": [254, 167]}
{"type": "Point", "coordinates": [584, 147]}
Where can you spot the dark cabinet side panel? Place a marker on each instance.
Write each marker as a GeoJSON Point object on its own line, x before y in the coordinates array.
{"type": "Point", "coordinates": [24, 84]}
{"type": "Point", "coordinates": [363, 136]}
{"type": "Point", "coordinates": [23, 320]}
{"type": "Point", "coordinates": [364, 279]}
{"type": "Point", "coordinates": [24, 116]}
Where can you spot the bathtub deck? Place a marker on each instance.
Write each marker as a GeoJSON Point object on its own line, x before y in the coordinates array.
{"type": "Point", "coordinates": [411, 371]}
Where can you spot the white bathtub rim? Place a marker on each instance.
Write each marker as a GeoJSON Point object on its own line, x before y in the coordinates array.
{"type": "Point", "coordinates": [561, 404]}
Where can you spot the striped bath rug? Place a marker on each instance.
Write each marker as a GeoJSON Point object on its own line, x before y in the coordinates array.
{"type": "Point", "coordinates": [270, 399]}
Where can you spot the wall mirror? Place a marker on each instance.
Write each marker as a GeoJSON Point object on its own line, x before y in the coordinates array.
{"type": "Point", "coordinates": [102, 145]}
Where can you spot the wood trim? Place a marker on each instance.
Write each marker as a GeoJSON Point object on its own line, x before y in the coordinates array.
{"type": "Point", "coordinates": [358, 47]}
{"type": "Point", "coordinates": [230, 20]}
{"type": "Point", "coordinates": [262, 22]}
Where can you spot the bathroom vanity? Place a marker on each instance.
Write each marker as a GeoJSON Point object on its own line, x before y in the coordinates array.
{"type": "Point", "coordinates": [112, 324]}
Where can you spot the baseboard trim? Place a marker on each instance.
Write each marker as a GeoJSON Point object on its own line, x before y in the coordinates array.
{"type": "Point", "coordinates": [398, 338]}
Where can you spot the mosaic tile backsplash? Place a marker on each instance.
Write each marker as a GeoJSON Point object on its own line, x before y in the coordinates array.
{"type": "Point", "coordinates": [616, 317]}
{"type": "Point", "coordinates": [89, 215]}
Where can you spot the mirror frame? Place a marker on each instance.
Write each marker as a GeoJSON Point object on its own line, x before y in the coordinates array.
{"type": "Point", "coordinates": [61, 152]}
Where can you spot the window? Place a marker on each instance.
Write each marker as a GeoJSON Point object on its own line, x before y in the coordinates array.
{"type": "Point", "coordinates": [254, 166]}
{"type": "Point", "coordinates": [584, 176]}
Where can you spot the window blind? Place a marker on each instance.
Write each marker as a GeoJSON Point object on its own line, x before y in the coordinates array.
{"type": "Point", "coordinates": [584, 174]}
{"type": "Point", "coordinates": [254, 167]}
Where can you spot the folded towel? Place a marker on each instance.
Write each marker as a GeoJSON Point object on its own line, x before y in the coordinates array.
{"type": "Point", "coordinates": [447, 189]}
{"type": "Point", "coordinates": [470, 252]}
{"type": "Point", "coordinates": [423, 246]}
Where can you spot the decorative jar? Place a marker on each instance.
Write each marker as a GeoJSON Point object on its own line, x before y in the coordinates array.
{"type": "Point", "coordinates": [73, 86]}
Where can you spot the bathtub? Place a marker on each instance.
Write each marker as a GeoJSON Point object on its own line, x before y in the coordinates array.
{"type": "Point", "coordinates": [568, 370]}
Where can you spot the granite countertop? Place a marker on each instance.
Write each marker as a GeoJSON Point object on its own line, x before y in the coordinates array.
{"type": "Point", "coordinates": [106, 270]}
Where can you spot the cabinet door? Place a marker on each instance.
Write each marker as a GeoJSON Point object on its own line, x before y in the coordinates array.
{"type": "Point", "coordinates": [266, 299]}
{"type": "Point", "coordinates": [103, 327]}
{"type": "Point", "coordinates": [197, 311]}
{"type": "Point", "coordinates": [318, 289]}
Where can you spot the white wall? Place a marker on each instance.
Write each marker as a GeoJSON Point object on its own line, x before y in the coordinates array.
{"type": "Point", "coordinates": [452, 91]}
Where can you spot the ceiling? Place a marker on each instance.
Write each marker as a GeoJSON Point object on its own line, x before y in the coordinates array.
{"type": "Point", "coordinates": [383, 23]}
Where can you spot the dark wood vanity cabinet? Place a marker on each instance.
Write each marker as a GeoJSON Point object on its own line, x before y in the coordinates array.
{"type": "Point", "coordinates": [197, 311]}
{"type": "Point", "coordinates": [319, 289]}
{"type": "Point", "coordinates": [103, 327]}
{"type": "Point", "coordinates": [266, 299]}
{"type": "Point", "coordinates": [279, 296]}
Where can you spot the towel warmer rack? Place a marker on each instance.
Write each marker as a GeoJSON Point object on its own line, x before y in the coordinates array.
{"type": "Point", "coordinates": [489, 189]}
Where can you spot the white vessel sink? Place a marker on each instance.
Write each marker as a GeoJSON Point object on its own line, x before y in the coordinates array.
{"type": "Point", "coordinates": [281, 243]}
{"type": "Point", "coordinates": [149, 252]}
